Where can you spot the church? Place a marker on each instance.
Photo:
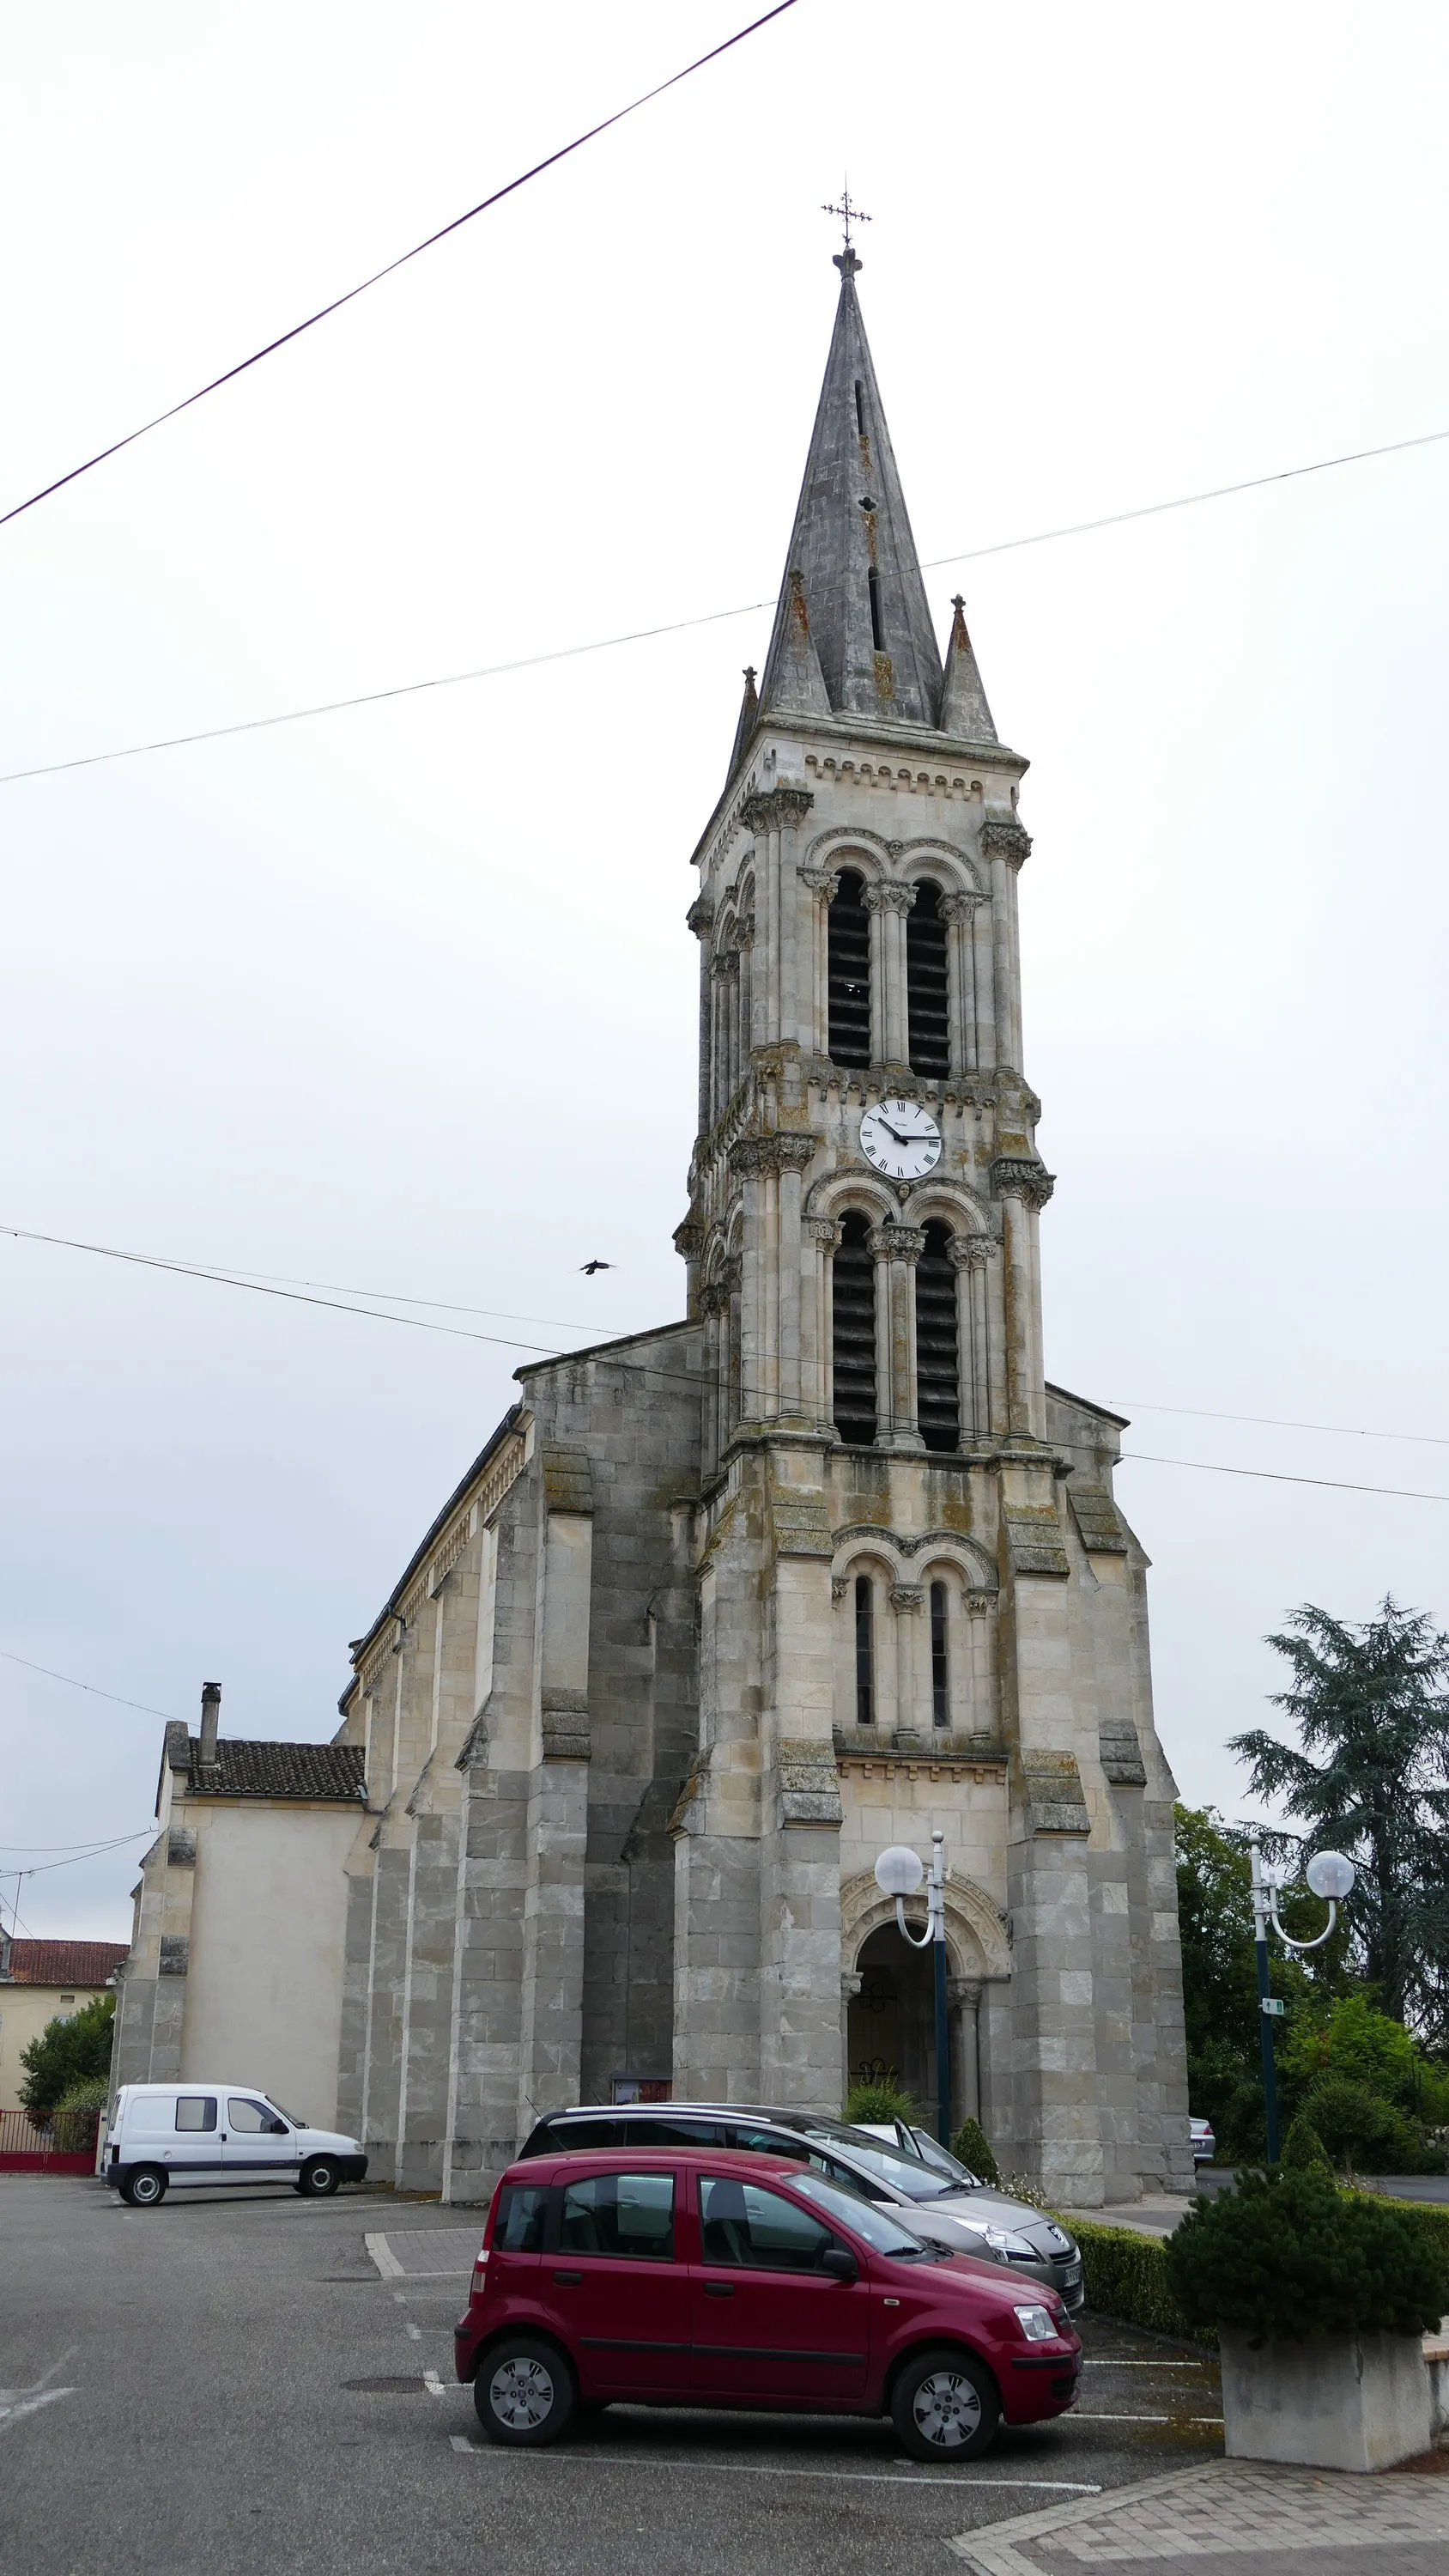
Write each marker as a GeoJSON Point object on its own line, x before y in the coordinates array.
{"type": "Point", "coordinates": [724, 1608]}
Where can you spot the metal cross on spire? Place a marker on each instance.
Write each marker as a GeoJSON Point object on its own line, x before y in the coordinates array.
{"type": "Point", "coordinates": [848, 213]}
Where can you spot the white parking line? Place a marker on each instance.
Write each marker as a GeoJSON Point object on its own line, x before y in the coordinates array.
{"type": "Point", "coordinates": [414, 2332]}
{"type": "Point", "coordinates": [765, 2469]}
{"type": "Point", "coordinates": [18, 2402]}
{"type": "Point", "coordinates": [383, 2256]}
{"type": "Point", "coordinates": [433, 2384]}
{"type": "Point", "coordinates": [1143, 2365]}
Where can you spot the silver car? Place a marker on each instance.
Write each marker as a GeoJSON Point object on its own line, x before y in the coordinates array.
{"type": "Point", "coordinates": [952, 2210]}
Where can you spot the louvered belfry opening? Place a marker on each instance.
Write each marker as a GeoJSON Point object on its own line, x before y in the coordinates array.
{"type": "Point", "coordinates": [940, 1658]}
{"type": "Point", "coordinates": [938, 1371]}
{"type": "Point", "coordinates": [848, 933]}
{"type": "Point", "coordinates": [864, 1652]}
{"type": "Point", "coordinates": [928, 987]}
{"type": "Point", "coordinates": [853, 1333]}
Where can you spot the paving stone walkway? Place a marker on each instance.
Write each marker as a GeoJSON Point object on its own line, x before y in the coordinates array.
{"type": "Point", "coordinates": [1227, 2510]}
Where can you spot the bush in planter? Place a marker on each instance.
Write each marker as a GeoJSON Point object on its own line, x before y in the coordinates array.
{"type": "Point", "coordinates": [971, 2147]}
{"type": "Point", "coordinates": [1303, 2149]}
{"type": "Point", "coordinates": [1289, 2257]}
{"type": "Point", "coordinates": [877, 2102]}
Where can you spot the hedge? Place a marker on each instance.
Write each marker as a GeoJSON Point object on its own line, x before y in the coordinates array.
{"type": "Point", "coordinates": [1125, 2274]}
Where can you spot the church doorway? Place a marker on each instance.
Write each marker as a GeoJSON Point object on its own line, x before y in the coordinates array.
{"type": "Point", "coordinates": [891, 2024]}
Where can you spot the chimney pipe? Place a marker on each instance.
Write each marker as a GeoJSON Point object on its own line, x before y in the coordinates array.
{"type": "Point", "coordinates": [210, 1720]}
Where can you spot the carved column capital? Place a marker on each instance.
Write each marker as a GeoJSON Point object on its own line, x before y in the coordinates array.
{"type": "Point", "coordinates": [779, 811]}
{"type": "Point", "coordinates": [724, 963]}
{"type": "Point", "coordinates": [850, 1986]}
{"type": "Point", "coordinates": [700, 916]}
{"type": "Point", "coordinates": [746, 931]}
{"type": "Point", "coordinates": [782, 1152]}
{"type": "Point", "coordinates": [715, 1296]}
{"type": "Point", "coordinates": [963, 1990]}
{"type": "Point", "coordinates": [907, 1596]}
{"type": "Point", "coordinates": [689, 1239]}
{"type": "Point", "coordinates": [823, 882]}
{"type": "Point", "coordinates": [960, 906]}
{"type": "Point", "coordinates": [888, 896]}
{"type": "Point", "coordinates": [970, 1251]}
{"type": "Point", "coordinates": [1002, 837]}
{"type": "Point", "coordinates": [897, 1242]}
{"type": "Point", "coordinates": [825, 1231]}
{"type": "Point", "coordinates": [839, 1586]}
{"type": "Point", "coordinates": [979, 1601]}
{"type": "Point", "coordinates": [1022, 1176]}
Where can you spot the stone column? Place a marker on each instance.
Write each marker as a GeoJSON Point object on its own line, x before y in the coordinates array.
{"type": "Point", "coordinates": [1024, 1185]}
{"type": "Point", "coordinates": [900, 1248]}
{"type": "Point", "coordinates": [773, 819]}
{"type": "Point", "coordinates": [700, 918]}
{"type": "Point", "coordinates": [719, 981]}
{"type": "Point", "coordinates": [878, 1247]}
{"type": "Point", "coordinates": [890, 902]}
{"type": "Point", "coordinates": [959, 912]}
{"type": "Point", "coordinates": [963, 1997]}
{"type": "Point", "coordinates": [969, 1254]}
{"type": "Point", "coordinates": [912, 1716]}
{"type": "Point", "coordinates": [1005, 845]}
{"type": "Point", "coordinates": [824, 884]}
{"type": "Point", "coordinates": [850, 1986]}
{"type": "Point", "coordinates": [793, 1155]}
{"type": "Point", "coordinates": [818, 1376]}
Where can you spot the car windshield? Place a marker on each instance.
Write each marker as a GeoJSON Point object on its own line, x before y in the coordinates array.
{"type": "Point", "coordinates": [866, 2218]}
{"type": "Point", "coordinates": [941, 2161]}
{"type": "Point", "coordinates": [909, 2176]}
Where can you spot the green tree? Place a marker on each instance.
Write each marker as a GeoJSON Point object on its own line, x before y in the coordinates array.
{"type": "Point", "coordinates": [1353, 2040]}
{"type": "Point", "coordinates": [67, 2052]}
{"type": "Point", "coordinates": [1372, 1777]}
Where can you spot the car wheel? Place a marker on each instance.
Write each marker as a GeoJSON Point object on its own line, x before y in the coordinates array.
{"type": "Point", "coordinates": [945, 2407]}
{"type": "Point", "coordinates": [524, 2392]}
{"type": "Point", "coordinates": [145, 2187]}
{"type": "Point", "coordinates": [317, 2178]}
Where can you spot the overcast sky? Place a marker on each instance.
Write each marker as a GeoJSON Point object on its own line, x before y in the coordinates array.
{"type": "Point", "coordinates": [403, 998]}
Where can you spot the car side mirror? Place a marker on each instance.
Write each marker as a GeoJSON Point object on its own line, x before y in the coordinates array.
{"type": "Point", "coordinates": [279, 2129]}
{"type": "Point", "coordinates": [839, 2262]}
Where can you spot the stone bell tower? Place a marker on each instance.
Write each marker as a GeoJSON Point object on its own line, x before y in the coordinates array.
{"type": "Point", "coordinates": [918, 1603]}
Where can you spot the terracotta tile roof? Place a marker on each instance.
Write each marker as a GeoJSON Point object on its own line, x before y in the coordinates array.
{"type": "Point", "coordinates": [248, 1768]}
{"type": "Point", "coordinates": [65, 1963]}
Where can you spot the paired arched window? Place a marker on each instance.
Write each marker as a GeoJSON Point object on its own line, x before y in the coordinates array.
{"type": "Point", "coordinates": [938, 1361]}
{"type": "Point", "coordinates": [928, 983]}
{"type": "Point", "coordinates": [857, 1678]}
{"type": "Point", "coordinates": [853, 1332]}
{"type": "Point", "coordinates": [848, 969]}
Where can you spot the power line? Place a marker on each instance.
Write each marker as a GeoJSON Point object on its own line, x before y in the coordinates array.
{"type": "Point", "coordinates": [93, 1687]}
{"type": "Point", "coordinates": [1285, 1422]}
{"type": "Point", "coordinates": [712, 617]}
{"type": "Point", "coordinates": [352, 293]}
{"type": "Point", "coordinates": [1272, 1476]}
{"type": "Point", "coordinates": [40, 1868]}
{"type": "Point", "coordinates": [81, 1848]}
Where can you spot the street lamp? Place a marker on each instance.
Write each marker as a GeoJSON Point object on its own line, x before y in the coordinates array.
{"type": "Point", "coordinates": [1330, 1876]}
{"type": "Point", "coordinates": [899, 1873]}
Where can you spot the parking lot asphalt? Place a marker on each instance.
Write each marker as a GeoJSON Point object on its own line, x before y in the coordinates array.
{"type": "Point", "coordinates": [229, 2383]}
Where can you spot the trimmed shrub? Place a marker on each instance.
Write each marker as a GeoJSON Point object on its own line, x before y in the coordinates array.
{"type": "Point", "coordinates": [972, 2147]}
{"type": "Point", "coordinates": [875, 2102]}
{"type": "Point", "coordinates": [1289, 2257]}
{"type": "Point", "coordinates": [1359, 2127]}
{"type": "Point", "coordinates": [69, 2049]}
{"type": "Point", "coordinates": [91, 2094]}
{"type": "Point", "coordinates": [1303, 2148]}
{"type": "Point", "coordinates": [1125, 2276]}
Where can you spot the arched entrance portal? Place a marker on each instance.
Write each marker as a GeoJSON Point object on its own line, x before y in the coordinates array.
{"type": "Point", "coordinates": [891, 2027]}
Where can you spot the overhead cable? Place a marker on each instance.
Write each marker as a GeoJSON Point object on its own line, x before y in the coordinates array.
{"type": "Point", "coordinates": [1276, 1476]}
{"type": "Point", "coordinates": [350, 297]}
{"type": "Point", "coordinates": [683, 625]}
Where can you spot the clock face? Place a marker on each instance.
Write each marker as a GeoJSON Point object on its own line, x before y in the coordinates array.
{"type": "Point", "coordinates": [901, 1139]}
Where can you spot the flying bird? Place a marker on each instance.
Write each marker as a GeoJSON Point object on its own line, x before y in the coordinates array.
{"type": "Point", "coordinates": [589, 1267]}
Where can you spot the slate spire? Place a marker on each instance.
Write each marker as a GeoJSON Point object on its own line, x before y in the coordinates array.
{"type": "Point", "coordinates": [859, 603]}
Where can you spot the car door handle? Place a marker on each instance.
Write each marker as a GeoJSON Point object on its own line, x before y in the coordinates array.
{"type": "Point", "coordinates": [568, 2276]}
{"type": "Point", "coordinates": [719, 2289]}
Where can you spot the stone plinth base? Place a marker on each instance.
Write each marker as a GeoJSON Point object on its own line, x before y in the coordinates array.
{"type": "Point", "coordinates": [1344, 2402]}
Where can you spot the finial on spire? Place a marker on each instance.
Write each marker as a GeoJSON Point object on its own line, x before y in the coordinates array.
{"type": "Point", "coordinates": [848, 261]}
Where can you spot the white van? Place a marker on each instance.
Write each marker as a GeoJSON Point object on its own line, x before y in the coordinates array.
{"type": "Point", "coordinates": [212, 2135]}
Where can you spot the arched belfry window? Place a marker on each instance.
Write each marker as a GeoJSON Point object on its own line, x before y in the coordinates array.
{"type": "Point", "coordinates": [938, 1368]}
{"type": "Point", "coordinates": [864, 1651]}
{"type": "Point", "coordinates": [928, 983]}
{"type": "Point", "coordinates": [853, 1333]}
{"type": "Point", "coordinates": [848, 966]}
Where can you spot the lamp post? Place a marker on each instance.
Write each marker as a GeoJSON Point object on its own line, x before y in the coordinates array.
{"type": "Point", "coordinates": [899, 1873]}
{"type": "Point", "coordinates": [1329, 1875]}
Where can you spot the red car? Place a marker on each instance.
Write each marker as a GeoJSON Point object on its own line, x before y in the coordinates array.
{"type": "Point", "coordinates": [691, 2277]}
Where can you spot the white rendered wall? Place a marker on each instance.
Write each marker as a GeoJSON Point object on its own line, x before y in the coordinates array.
{"type": "Point", "coordinates": [264, 1992]}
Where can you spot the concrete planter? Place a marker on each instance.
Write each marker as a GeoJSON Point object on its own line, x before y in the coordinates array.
{"type": "Point", "coordinates": [1338, 2402]}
